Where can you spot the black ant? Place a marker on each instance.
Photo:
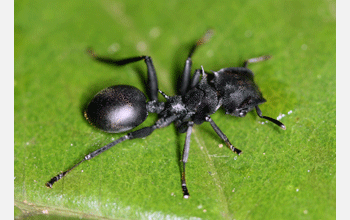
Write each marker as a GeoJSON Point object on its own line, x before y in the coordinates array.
{"type": "Point", "coordinates": [122, 107]}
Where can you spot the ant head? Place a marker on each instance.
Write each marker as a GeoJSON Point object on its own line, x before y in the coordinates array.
{"type": "Point", "coordinates": [237, 91]}
{"type": "Point", "coordinates": [238, 103]}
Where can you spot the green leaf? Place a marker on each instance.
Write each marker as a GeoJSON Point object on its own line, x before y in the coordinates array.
{"type": "Point", "coordinates": [287, 174]}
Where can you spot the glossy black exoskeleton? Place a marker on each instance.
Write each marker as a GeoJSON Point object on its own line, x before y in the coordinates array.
{"type": "Point", "coordinates": [117, 109]}
{"type": "Point", "coordinates": [121, 108]}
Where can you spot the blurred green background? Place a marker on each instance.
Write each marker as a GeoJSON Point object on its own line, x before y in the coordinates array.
{"type": "Point", "coordinates": [280, 175]}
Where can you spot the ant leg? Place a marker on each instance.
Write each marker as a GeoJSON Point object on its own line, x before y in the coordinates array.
{"type": "Point", "coordinates": [185, 157]}
{"type": "Point", "coordinates": [152, 79]}
{"type": "Point", "coordinates": [222, 135]}
{"type": "Point", "coordinates": [141, 133]}
{"type": "Point", "coordinates": [186, 76]}
{"type": "Point", "coordinates": [255, 60]}
{"type": "Point", "coordinates": [258, 111]}
{"type": "Point", "coordinates": [151, 72]}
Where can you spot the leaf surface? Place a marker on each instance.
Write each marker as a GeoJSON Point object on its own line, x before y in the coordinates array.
{"type": "Point", "coordinates": [280, 175]}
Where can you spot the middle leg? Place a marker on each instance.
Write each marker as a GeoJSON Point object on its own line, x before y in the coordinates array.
{"type": "Point", "coordinates": [185, 158]}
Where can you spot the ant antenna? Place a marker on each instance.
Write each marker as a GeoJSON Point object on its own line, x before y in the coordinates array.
{"type": "Point", "coordinates": [280, 124]}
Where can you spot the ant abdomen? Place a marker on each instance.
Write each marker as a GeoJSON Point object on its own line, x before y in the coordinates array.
{"type": "Point", "coordinates": [117, 109]}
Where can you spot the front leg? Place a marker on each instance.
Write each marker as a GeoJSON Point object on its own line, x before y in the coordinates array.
{"type": "Point", "coordinates": [222, 135]}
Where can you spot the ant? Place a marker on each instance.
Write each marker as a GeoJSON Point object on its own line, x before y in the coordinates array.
{"type": "Point", "coordinates": [122, 107]}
